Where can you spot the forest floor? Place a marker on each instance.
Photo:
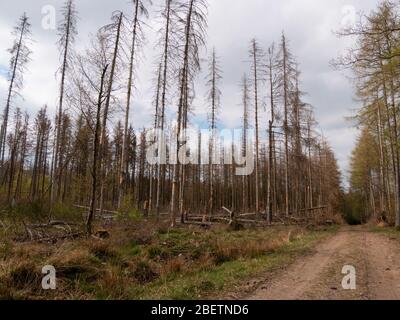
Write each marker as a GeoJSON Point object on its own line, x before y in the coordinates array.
{"type": "Point", "coordinates": [147, 260]}
{"type": "Point", "coordinates": [374, 253]}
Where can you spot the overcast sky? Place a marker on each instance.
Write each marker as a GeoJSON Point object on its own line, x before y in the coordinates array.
{"type": "Point", "coordinates": [308, 24]}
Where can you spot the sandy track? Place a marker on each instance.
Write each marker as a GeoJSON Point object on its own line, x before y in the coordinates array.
{"type": "Point", "coordinates": [319, 276]}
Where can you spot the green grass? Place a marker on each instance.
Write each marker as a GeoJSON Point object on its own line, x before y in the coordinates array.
{"type": "Point", "coordinates": [389, 231]}
{"type": "Point", "coordinates": [211, 283]}
{"type": "Point", "coordinates": [147, 261]}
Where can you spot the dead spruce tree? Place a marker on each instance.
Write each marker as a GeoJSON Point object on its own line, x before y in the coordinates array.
{"type": "Point", "coordinates": [194, 25]}
{"type": "Point", "coordinates": [214, 98]}
{"type": "Point", "coordinates": [90, 80]}
{"type": "Point", "coordinates": [113, 34]}
{"type": "Point", "coordinates": [23, 154]}
{"type": "Point", "coordinates": [273, 82]}
{"type": "Point", "coordinates": [20, 56]}
{"type": "Point", "coordinates": [67, 32]}
{"type": "Point", "coordinates": [14, 142]}
{"type": "Point", "coordinates": [96, 141]}
{"type": "Point", "coordinates": [40, 165]}
{"type": "Point", "coordinates": [245, 104]}
{"type": "Point", "coordinates": [169, 45]}
{"type": "Point", "coordinates": [310, 142]}
{"type": "Point", "coordinates": [298, 157]}
{"type": "Point", "coordinates": [286, 69]}
{"type": "Point", "coordinates": [137, 38]}
{"type": "Point", "coordinates": [156, 103]}
{"type": "Point", "coordinates": [257, 57]}
{"type": "Point", "coordinates": [97, 161]}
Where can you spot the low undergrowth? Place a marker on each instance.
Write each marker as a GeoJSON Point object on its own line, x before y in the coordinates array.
{"type": "Point", "coordinates": [389, 231]}
{"type": "Point", "coordinates": [148, 261]}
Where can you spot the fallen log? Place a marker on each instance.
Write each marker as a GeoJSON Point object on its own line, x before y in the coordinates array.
{"type": "Point", "coordinates": [97, 210]}
{"type": "Point", "coordinates": [60, 237]}
{"type": "Point", "coordinates": [249, 214]}
{"type": "Point", "coordinates": [249, 221]}
{"type": "Point", "coordinates": [52, 224]}
{"type": "Point", "coordinates": [210, 219]}
{"type": "Point", "coordinates": [201, 224]}
{"type": "Point", "coordinates": [232, 217]}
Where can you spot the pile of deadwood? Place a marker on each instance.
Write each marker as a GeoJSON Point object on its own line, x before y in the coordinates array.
{"type": "Point", "coordinates": [53, 231]}
{"type": "Point", "coordinates": [49, 232]}
{"type": "Point", "coordinates": [232, 218]}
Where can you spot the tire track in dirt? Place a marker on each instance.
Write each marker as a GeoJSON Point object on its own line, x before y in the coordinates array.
{"type": "Point", "coordinates": [383, 263]}
{"type": "Point", "coordinates": [319, 276]}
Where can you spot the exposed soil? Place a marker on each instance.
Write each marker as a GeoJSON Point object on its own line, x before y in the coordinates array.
{"type": "Point", "coordinates": [318, 276]}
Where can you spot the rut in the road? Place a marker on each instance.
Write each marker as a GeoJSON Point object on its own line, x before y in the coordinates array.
{"type": "Point", "coordinates": [319, 276]}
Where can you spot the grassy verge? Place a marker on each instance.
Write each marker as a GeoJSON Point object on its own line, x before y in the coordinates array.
{"type": "Point", "coordinates": [143, 261]}
{"type": "Point", "coordinates": [210, 283]}
{"type": "Point", "coordinates": [388, 231]}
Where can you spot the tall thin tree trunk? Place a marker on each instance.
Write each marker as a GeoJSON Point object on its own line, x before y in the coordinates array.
{"type": "Point", "coordinates": [123, 174]}
{"type": "Point", "coordinates": [182, 111]}
{"type": "Point", "coordinates": [161, 169]}
{"type": "Point", "coordinates": [89, 221]}
{"type": "Point", "coordinates": [4, 127]}
{"type": "Point", "coordinates": [105, 115]}
{"type": "Point", "coordinates": [285, 125]}
{"type": "Point", "coordinates": [57, 169]}
{"type": "Point", "coordinates": [255, 75]}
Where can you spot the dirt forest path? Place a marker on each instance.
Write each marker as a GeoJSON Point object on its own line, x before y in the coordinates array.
{"type": "Point", "coordinates": [318, 276]}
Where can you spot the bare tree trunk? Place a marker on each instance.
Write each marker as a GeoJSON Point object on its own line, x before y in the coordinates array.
{"type": "Point", "coordinates": [89, 221]}
{"type": "Point", "coordinates": [4, 127]}
{"type": "Point", "coordinates": [255, 75]}
{"type": "Point", "coordinates": [285, 125]}
{"type": "Point", "coordinates": [13, 157]}
{"type": "Point", "coordinates": [123, 174]}
{"type": "Point", "coordinates": [160, 146]}
{"type": "Point", "coordinates": [271, 167]}
{"type": "Point", "coordinates": [161, 168]}
{"type": "Point", "coordinates": [214, 96]}
{"type": "Point", "coordinates": [57, 169]}
{"type": "Point", "coordinates": [245, 101]}
{"type": "Point", "coordinates": [181, 113]}
{"type": "Point", "coordinates": [18, 187]}
{"type": "Point", "coordinates": [105, 115]}
{"type": "Point", "coordinates": [381, 162]}
{"type": "Point", "coordinates": [310, 177]}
